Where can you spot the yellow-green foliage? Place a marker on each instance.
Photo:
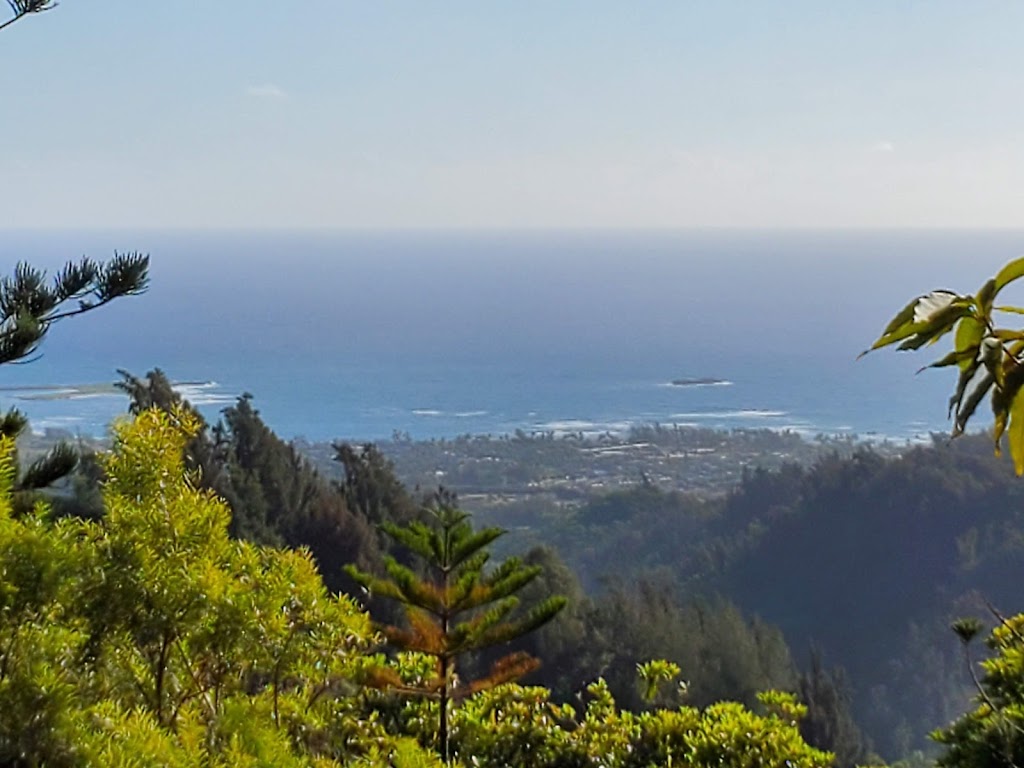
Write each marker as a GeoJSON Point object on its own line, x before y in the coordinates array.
{"type": "Point", "coordinates": [153, 639]}
{"type": "Point", "coordinates": [513, 725]}
{"type": "Point", "coordinates": [7, 472]}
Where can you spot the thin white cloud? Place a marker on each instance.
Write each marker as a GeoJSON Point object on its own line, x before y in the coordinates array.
{"type": "Point", "coordinates": [266, 91]}
{"type": "Point", "coordinates": [882, 147]}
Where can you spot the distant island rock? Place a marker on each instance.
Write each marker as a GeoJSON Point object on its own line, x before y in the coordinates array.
{"type": "Point", "coordinates": [703, 381]}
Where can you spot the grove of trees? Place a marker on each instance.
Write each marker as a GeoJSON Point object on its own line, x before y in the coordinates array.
{"type": "Point", "coordinates": [151, 637]}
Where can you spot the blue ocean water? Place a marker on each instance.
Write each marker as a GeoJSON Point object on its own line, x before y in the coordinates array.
{"type": "Point", "coordinates": [357, 335]}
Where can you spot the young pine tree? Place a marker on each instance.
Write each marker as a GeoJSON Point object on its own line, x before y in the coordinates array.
{"type": "Point", "coordinates": [456, 608]}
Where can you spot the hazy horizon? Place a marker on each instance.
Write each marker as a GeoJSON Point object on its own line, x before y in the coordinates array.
{"type": "Point", "coordinates": [368, 332]}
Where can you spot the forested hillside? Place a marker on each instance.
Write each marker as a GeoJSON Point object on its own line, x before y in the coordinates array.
{"type": "Point", "coordinates": [836, 579]}
{"type": "Point", "coordinates": [136, 628]}
{"type": "Point", "coordinates": [863, 559]}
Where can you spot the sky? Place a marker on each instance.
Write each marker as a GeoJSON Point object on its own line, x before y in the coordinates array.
{"type": "Point", "coordinates": [532, 114]}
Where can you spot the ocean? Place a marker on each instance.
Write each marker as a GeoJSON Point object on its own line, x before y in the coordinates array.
{"type": "Point", "coordinates": [361, 335]}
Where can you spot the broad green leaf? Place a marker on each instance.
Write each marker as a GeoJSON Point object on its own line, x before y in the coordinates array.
{"type": "Point", "coordinates": [904, 316]}
{"type": "Point", "coordinates": [924, 315]}
{"type": "Point", "coordinates": [1005, 334]}
{"type": "Point", "coordinates": [967, 408]}
{"type": "Point", "coordinates": [1003, 398]}
{"type": "Point", "coordinates": [963, 359]}
{"type": "Point", "coordinates": [937, 326]}
{"type": "Point", "coordinates": [1015, 434]}
{"type": "Point", "coordinates": [969, 332]}
{"type": "Point", "coordinates": [931, 305]}
{"type": "Point", "coordinates": [919, 340]}
{"type": "Point", "coordinates": [1008, 370]}
{"type": "Point", "coordinates": [1002, 416]}
{"type": "Point", "coordinates": [1009, 273]}
{"type": "Point", "coordinates": [985, 297]}
{"type": "Point", "coordinates": [966, 376]}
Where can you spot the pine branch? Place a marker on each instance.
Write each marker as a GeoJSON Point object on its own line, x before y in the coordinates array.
{"type": "Point", "coordinates": [13, 423]}
{"type": "Point", "coordinates": [507, 669]}
{"type": "Point", "coordinates": [22, 8]}
{"type": "Point", "coordinates": [59, 462]}
{"type": "Point", "coordinates": [29, 306]}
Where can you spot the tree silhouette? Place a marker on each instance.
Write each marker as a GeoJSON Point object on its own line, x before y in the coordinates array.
{"type": "Point", "coordinates": [30, 305]}
{"type": "Point", "coordinates": [23, 8]}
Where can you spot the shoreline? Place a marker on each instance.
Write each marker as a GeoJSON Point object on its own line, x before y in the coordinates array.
{"type": "Point", "coordinates": [88, 408]}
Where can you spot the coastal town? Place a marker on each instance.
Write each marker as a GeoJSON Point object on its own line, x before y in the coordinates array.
{"type": "Point", "coordinates": [564, 470]}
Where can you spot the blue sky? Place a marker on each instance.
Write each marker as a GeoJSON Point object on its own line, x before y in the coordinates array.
{"type": "Point", "coordinates": [586, 113]}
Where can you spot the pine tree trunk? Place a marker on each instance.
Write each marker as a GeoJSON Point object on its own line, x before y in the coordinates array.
{"type": "Point", "coordinates": [443, 725]}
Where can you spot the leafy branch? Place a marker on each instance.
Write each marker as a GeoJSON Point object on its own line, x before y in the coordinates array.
{"type": "Point", "coordinates": [990, 358]}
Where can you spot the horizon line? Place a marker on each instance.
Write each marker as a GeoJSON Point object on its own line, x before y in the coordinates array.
{"type": "Point", "coordinates": [326, 229]}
